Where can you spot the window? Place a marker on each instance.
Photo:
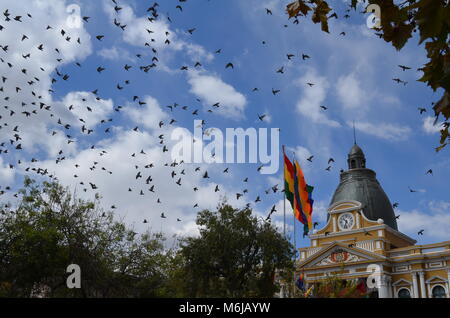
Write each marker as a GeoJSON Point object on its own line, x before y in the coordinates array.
{"type": "Point", "coordinates": [438, 292]}
{"type": "Point", "coordinates": [404, 293]}
{"type": "Point", "coordinates": [353, 164]}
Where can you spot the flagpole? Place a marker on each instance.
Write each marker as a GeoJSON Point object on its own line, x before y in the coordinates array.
{"type": "Point", "coordinates": [284, 197]}
{"type": "Point", "coordinates": [284, 209]}
{"type": "Point", "coordinates": [295, 232]}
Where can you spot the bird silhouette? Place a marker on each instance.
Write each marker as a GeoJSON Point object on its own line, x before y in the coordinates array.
{"type": "Point", "coordinates": [404, 68]}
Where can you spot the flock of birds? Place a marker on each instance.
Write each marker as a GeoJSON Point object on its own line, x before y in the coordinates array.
{"type": "Point", "coordinates": [11, 139]}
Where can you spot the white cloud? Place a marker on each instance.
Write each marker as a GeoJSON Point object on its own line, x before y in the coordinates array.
{"type": "Point", "coordinates": [436, 225]}
{"type": "Point", "coordinates": [301, 154]}
{"type": "Point", "coordinates": [149, 116]}
{"type": "Point", "coordinates": [350, 92]}
{"type": "Point", "coordinates": [115, 53]}
{"type": "Point", "coordinates": [313, 97]}
{"type": "Point", "coordinates": [80, 101]}
{"type": "Point", "coordinates": [429, 127]}
{"type": "Point", "coordinates": [211, 89]}
{"type": "Point", "coordinates": [140, 31]}
{"type": "Point", "coordinates": [439, 206]}
{"type": "Point", "coordinates": [34, 130]}
{"type": "Point", "coordinates": [6, 174]}
{"type": "Point", "coordinates": [320, 213]}
{"type": "Point", "coordinates": [115, 155]}
{"type": "Point", "coordinates": [383, 130]}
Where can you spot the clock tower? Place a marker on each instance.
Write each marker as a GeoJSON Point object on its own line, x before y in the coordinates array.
{"type": "Point", "coordinates": [361, 239]}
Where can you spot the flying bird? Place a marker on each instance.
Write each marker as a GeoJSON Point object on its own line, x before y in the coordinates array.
{"type": "Point", "coordinates": [404, 68]}
{"type": "Point", "coordinates": [261, 117]}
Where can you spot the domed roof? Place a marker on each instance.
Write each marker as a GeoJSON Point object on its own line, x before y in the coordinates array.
{"type": "Point", "coordinates": [356, 150]}
{"type": "Point", "coordinates": [361, 185]}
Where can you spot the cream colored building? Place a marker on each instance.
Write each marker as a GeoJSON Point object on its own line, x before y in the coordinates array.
{"type": "Point", "coordinates": [361, 240]}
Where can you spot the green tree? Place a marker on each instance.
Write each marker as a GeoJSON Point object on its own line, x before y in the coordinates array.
{"type": "Point", "coordinates": [50, 229]}
{"type": "Point", "coordinates": [398, 23]}
{"type": "Point", "coordinates": [236, 255]}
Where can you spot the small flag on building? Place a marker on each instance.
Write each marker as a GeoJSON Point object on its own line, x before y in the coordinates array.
{"type": "Point", "coordinates": [300, 283]}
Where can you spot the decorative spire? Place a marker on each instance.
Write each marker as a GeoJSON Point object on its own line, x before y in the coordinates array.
{"type": "Point", "coordinates": [354, 132]}
{"type": "Point", "coordinates": [356, 158]}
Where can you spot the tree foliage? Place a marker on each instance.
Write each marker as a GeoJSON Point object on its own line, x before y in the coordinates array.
{"type": "Point", "coordinates": [236, 255]}
{"type": "Point", "coordinates": [51, 229]}
{"type": "Point", "coordinates": [431, 18]}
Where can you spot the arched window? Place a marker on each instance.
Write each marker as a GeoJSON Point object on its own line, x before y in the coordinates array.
{"type": "Point", "coordinates": [438, 292]}
{"type": "Point", "coordinates": [404, 293]}
{"type": "Point", "coordinates": [353, 164]}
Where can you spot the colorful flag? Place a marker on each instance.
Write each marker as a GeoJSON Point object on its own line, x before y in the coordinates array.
{"type": "Point", "coordinates": [299, 206]}
{"type": "Point", "coordinates": [300, 283]}
{"type": "Point", "coordinates": [298, 193]}
{"type": "Point", "coordinates": [288, 180]}
{"type": "Point", "coordinates": [305, 200]}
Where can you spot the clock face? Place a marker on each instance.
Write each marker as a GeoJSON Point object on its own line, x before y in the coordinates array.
{"type": "Point", "coordinates": [346, 221]}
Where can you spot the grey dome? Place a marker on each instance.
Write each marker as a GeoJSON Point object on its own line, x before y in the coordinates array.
{"type": "Point", "coordinates": [360, 184]}
{"type": "Point", "coordinates": [356, 150]}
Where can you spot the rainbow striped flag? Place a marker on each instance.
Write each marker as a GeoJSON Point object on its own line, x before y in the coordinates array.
{"type": "Point", "coordinates": [304, 197]}
{"type": "Point", "coordinates": [298, 193]}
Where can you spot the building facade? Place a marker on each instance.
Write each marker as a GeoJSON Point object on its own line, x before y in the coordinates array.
{"type": "Point", "coordinates": [361, 241]}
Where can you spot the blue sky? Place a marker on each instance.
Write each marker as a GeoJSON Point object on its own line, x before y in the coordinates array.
{"type": "Point", "coordinates": [352, 76]}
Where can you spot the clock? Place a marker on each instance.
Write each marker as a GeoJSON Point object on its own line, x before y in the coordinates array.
{"type": "Point", "coordinates": [346, 221]}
